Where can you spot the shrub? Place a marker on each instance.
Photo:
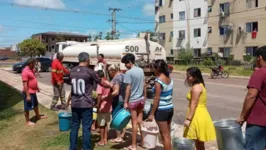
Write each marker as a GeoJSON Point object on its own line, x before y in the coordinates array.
{"type": "Point", "coordinates": [247, 58]}
{"type": "Point", "coordinates": [208, 62]}
{"type": "Point", "coordinates": [235, 63]}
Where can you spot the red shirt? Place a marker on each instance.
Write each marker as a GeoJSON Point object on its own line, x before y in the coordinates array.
{"type": "Point", "coordinates": [58, 71]}
{"type": "Point", "coordinates": [106, 103]}
{"type": "Point", "coordinates": [257, 115]}
{"type": "Point", "coordinates": [28, 76]}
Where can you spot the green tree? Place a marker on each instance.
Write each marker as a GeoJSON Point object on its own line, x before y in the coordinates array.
{"type": "Point", "coordinates": [109, 36]}
{"type": "Point", "coordinates": [32, 47]}
{"type": "Point", "coordinates": [186, 54]}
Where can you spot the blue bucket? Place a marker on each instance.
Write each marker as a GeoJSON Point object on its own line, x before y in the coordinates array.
{"type": "Point", "coordinates": [64, 121]}
{"type": "Point", "coordinates": [120, 120]}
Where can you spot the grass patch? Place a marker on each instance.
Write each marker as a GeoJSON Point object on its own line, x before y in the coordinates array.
{"type": "Point", "coordinates": [233, 70]}
{"type": "Point", "coordinates": [43, 136]}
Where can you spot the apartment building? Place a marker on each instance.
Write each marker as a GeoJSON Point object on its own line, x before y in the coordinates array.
{"type": "Point", "coordinates": [190, 25]}
{"type": "Point", "coordinates": [236, 27]}
{"type": "Point", "coordinates": [51, 38]}
{"type": "Point", "coordinates": [164, 26]}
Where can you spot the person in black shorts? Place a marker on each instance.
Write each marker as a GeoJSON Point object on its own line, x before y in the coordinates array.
{"type": "Point", "coordinates": [82, 82]}
{"type": "Point", "coordinates": [163, 108]}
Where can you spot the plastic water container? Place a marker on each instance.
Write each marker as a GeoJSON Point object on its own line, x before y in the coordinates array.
{"type": "Point", "coordinates": [94, 115]}
{"type": "Point", "coordinates": [180, 143]}
{"type": "Point", "coordinates": [120, 120]}
{"type": "Point", "coordinates": [64, 121]}
{"type": "Point", "coordinates": [150, 133]}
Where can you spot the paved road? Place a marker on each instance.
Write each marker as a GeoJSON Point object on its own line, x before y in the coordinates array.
{"type": "Point", "coordinates": [225, 96]}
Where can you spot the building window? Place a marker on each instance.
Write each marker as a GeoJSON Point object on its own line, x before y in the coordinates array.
{"type": "Point", "coordinates": [53, 39]}
{"type": "Point", "coordinates": [172, 16]}
{"type": "Point", "coordinates": [197, 32]}
{"type": "Point", "coordinates": [197, 53]}
{"type": "Point", "coordinates": [209, 9]}
{"type": "Point", "coordinates": [209, 29]}
{"type": "Point", "coordinates": [197, 12]}
{"type": "Point", "coordinates": [225, 8]}
{"type": "Point", "coordinates": [251, 26]}
{"type": "Point", "coordinates": [209, 51]}
{"type": "Point", "coordinates": [52, 47]}
{"type": "Point", "coordinates": [251, 50]}
{"type": "Point", "coordinates": [160, 2]}
{"type": "Point", "coordinates": [162, 36]}
{"type": "Point", "coordinates": [172, 34]}
{"type": "Point", "coordinates": [182, 34]}
{"type": "Point", "coordinates": [252, 3]}
{"type": "Point", "coordinates": [225, 51]}
{"type": "Point", "coordinates": [172, 52]}
{"type": "Point", "coordinates": [182, 15]}
{"type": "Point", "coordinates": [162, 19]}
{"type": "Point", "coordinates": [224, 30]}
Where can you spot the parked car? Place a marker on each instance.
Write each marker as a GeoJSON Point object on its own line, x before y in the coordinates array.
{"type": "Point", "coordinates": [45, 65]}
{"type": "Point", "coordinates": [18, 67]}
{"type": "Point", "coordinates": [3, 58]}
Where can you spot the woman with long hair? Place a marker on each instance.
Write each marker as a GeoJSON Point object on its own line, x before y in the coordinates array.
{"type": "Point", "coordinates": [198, 123]}
{"type": "Point", "coordinates": [163, 109]}
{"type": "Point", "coordinates": [118, 95]}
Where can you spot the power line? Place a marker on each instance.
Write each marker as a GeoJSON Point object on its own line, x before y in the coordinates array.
{"type": "Point", "coordinates": [125, 27]}
{"type": "Point", "coordinates": [30, 27]}
{"type": "Point", "coordinates": [72, 11]}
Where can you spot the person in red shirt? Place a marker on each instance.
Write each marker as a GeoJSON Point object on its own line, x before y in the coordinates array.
{"type": "Point", "coordinates": [254, 108]}
{"type": "Point", "coordinates": [30, 88]}
{"type": "Point", "coordinates": [104, 106]}
{"type": "Point", "coordinates": [58, 71]}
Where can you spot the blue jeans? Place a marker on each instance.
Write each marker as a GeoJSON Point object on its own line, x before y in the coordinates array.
{"type": "Point", "coordinates": [78, 115]}
{"type": "Point", "coordinates": [255, 137]}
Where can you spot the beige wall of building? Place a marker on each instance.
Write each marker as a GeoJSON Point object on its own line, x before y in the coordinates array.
{"type": "Point", "coordinates": [241, 16]}
{"type": "Point", "coordinates": [166, 27]}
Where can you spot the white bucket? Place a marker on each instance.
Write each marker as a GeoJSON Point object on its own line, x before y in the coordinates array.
{"type": "Point", "coordinates": [150, 134]}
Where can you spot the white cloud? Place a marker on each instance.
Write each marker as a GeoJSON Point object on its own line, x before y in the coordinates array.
{"type": "Point", "coordinates": [55, 4]}
{"type": "Point", "coordinates": [128, 36]}
{"type": "Point", "coordinates": [148, 9]}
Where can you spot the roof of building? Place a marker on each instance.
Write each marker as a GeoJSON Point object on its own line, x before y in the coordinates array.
{"type": "Point", "coordinates": [62, 34]}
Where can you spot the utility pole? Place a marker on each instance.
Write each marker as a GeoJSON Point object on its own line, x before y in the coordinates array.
{"type": "Point", "coordinates": [114, 10]}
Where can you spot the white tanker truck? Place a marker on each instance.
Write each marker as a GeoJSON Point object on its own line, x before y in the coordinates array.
{"type": "Point", "coordinates": [144, 51]}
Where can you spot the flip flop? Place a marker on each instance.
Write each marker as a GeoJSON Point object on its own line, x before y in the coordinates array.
{"type": "Point", "coordinates": [101, 145]}
{"type": "Point", "coordinates": [30, 124]}
{"type": "Point", "coordinates": [42, 117]}
{"type": "Point", "coordinates": [129, 148]}
{"type": "Point", "coordinates": [116, 140]}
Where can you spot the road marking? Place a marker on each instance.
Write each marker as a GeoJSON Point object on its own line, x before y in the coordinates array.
{"type": "Point", "coordinates": [221, 84]}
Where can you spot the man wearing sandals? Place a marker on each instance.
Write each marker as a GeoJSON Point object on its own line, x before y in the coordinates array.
{"type": "Point", "coordinates": [30, 88]}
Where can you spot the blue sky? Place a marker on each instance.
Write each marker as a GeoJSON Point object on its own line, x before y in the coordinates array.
{"type": "Point", "coordinates": [26, 17]}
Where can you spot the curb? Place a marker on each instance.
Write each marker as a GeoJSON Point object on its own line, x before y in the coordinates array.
{"type": "Point", "coordinates": [207, 74]}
